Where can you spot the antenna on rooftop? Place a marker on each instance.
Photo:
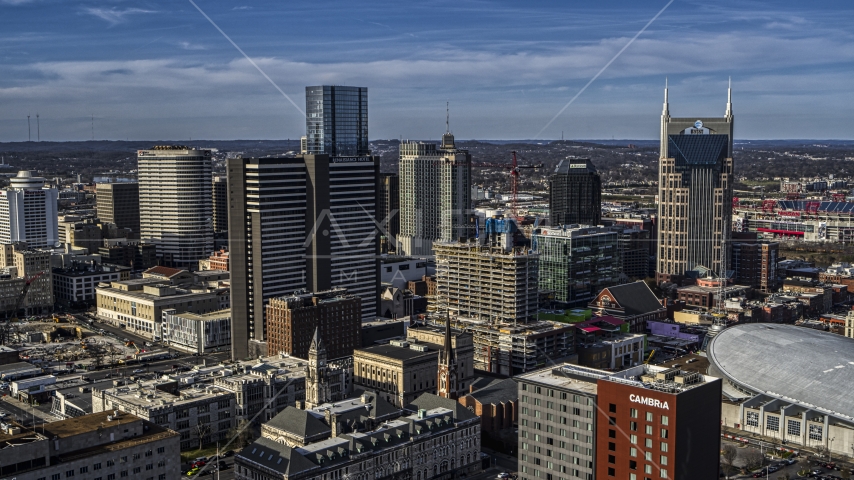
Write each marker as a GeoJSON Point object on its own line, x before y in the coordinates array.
{"type": "Point", "coordinates": [38, 129]}
{"type": "Point", "coordinates": [447, 117]}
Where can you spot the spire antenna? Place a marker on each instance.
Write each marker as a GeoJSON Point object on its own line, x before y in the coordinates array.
{"type": "Point", "coordinates": [448, 117]}
{"type": "Point", "coordinates": [666, 110]}
{"type": "Point", "coordinates": [729, 98]}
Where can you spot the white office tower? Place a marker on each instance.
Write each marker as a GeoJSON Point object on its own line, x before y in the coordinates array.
{"type": "Point", "coordinates": [435, 195]}
{"type": "Point", "coordinates": [28, 212]}
{"type": "Point", "coordinates": [175, 203]}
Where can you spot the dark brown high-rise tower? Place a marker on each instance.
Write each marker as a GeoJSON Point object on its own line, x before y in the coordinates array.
{"type": "Point", "coordinates": [575, 193]}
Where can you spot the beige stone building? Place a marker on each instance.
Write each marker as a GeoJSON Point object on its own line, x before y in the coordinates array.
{"type": "Point", "coordinates": [403, 369]}
{"type": "Point", "coordinates": [849, 325]}
{"type": "Point", "coordinates": [138, 304]}
{"type": "Point", "coordinates": [694, 193]}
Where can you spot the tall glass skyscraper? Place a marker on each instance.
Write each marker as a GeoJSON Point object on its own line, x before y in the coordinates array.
{"type": "Point", "coordinates": [336, 120]}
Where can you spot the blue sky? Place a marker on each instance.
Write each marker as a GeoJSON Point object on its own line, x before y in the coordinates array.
{"type": "Point", "coordinates": [159, 70]}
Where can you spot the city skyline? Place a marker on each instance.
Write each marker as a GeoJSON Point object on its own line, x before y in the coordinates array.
{"type": "Point", "coordinates": [505, 70]}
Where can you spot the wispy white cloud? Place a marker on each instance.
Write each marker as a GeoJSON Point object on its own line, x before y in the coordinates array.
{"type": "Point", "coordinates": [115, 16]}
{"type": "Point", "coordinates": [16, 2]}
{"type": "Point", "coordinates": [242, 7]}
{"type": "Point", "coordinates": [776, 69]}
{"type": "Point", "coordinates": [191, 46]}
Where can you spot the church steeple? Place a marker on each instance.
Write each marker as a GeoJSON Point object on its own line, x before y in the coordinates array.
{"type": "Point", "coordinates": [316, 345]}
{"type": "Point", "coordinates": [447, 380]}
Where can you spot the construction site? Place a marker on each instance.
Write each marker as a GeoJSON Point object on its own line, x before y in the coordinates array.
{"type": "Point", "coordinates": [489, 288]}
{"type": "Point", "coordinates": [496, 280]}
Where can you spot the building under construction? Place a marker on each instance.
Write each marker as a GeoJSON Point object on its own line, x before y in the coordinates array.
{"type": "Point", "coordinates": [489, 288]}
{"type": "Point", "coordinates": [496, 282]}
{"type": "Point", "coordinates": [508, 349]}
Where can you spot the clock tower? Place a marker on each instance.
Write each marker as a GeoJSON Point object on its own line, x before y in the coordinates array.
{"type": "Point", "coordinates": [316, 387]}
{"type": "Point", "coordinates": [447, 375]}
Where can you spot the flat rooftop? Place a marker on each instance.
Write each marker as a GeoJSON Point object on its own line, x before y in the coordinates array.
{"type": "Point", "coordinates": [400, 353]}
{"type": "Point", "coordinates": [649, 377]}
{"type": "Point", "coordinates": [690, 363]}
{"type": "Point", "coordinates": [179, 292]}
{"type": "Point", "coordinates": [86, 423]}
{"type": "Point", "coordinates": [145, 395]}
{"type": "Point", "coordinates": [23, 437]}
{"type": "Point", "coordinates": [567, 377]}
{"type": "Point", "coordinates": [204, 316]}
{"type": "Point", "coordinates": [17, 367]}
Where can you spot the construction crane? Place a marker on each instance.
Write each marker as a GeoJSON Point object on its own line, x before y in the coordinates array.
{"type": "Point", "coordinates": [514, 179]}
{"type": "Point", "coordinates": [649, 357]}
{"type": "Point", "coordinates": [23, 295]}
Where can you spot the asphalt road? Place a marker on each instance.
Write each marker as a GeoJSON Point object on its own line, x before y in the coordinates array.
{"type": "Point", "coordinates": [150, 367]}
{"type": "Point", "coordinates": [208, 473]}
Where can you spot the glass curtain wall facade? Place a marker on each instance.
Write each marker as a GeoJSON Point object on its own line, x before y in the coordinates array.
{"type": "Point", "coordinates": [336, 120]}
{"type": "Point", "coordinates": [577, 263]}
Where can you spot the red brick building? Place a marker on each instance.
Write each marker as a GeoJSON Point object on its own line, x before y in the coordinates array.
{"type": "Point", "coordinates": [219, 260]}
{"type": "Point", "coordinates": [495, 404]}
{"type": "Point", "coordinates": [656, 423]}
{"type": "Point", "coordinates": [648, 422]}
{"type": "Point", "coordinates": [634, 303]}
{"type": "Point", "coordinates": [292, 320]}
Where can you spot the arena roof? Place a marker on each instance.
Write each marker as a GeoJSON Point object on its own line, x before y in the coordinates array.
{"type": "Point", "coordinates": [800, 365]}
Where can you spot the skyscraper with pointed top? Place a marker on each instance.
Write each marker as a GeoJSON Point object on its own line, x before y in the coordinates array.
{"type": "Point", "coordinates": [695, 192]}
{"type": "Point", "coordinates": [447, 375]}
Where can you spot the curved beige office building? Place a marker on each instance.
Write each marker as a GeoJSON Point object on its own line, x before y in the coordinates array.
{"type": "Point", "coordinates": [175, 203]}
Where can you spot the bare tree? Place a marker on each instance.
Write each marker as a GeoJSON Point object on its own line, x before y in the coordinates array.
{"type": "Point", "coordinates": [240, 435]}
{"type": "Point", "coordinates": [753, 459]}
{"type": "Point", "coordinates": [202, 430]}
{"type": "Point", "coordinates": [112, 351]}
{"type": "Point", "coordinates": [97, 353]}
{"type": "Point", "coordinates": [728, 455]}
